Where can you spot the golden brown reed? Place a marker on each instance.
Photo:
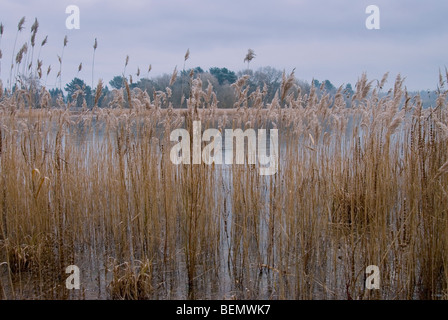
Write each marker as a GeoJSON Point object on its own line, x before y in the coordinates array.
{"type": "Point", "coordinates": [360, 184]}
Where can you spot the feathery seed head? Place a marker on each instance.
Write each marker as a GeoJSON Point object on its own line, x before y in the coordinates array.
{"type": "Point", "coordinates": [250, 55]}
{"type": "Point", "coordinates": [44, 41]}
{"type": "Point", "coordinates": [35, 26]}
{"type": "Point", "coordinates": [173, 76]}
{"type": "Point", "coordinates": [20, 24]}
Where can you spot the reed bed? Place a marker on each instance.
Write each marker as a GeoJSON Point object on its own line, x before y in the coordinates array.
{"type": "Point", "coordinates": [357, 185]}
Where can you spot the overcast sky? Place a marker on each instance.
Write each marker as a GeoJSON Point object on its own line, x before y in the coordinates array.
{"type": "Point", "coordinates": [324, 39]}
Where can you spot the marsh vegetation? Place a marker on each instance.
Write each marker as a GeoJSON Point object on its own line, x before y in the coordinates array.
{"type": "Point", "coordinates": [358, 184]}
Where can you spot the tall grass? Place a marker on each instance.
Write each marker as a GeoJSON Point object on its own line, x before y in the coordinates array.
{"type": "Point", "coordinates": [357, 185]}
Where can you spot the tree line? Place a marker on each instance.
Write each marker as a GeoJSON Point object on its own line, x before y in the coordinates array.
{"type": "Point", "coordinates": [221, 79]}
{"type": "Point", "coordinates": [267, 78]}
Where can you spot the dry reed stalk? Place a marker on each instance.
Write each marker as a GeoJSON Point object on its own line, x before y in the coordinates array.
{"type": "Point", "coordinates": [361, 182]}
